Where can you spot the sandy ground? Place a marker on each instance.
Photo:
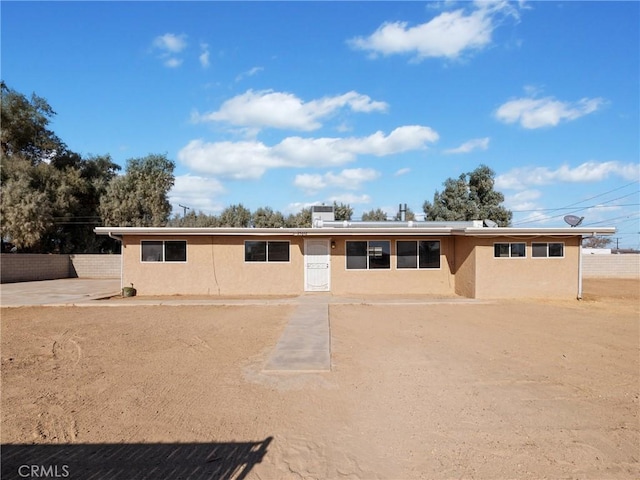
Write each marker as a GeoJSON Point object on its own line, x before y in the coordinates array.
{"type": "Point", "coordinates": [517, 389]}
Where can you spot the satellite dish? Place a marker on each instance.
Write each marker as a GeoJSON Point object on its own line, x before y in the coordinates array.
{"type": "Point", "coordinates": [489, 223]}
{"type": "Point", "coordinates": [573, 220]}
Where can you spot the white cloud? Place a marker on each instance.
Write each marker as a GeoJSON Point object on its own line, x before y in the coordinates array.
{"type": "Point", "coordinates": [250, 159]}
{"type": "Point", "coordinates": [249, 73]}
{"type": "Point", "coordinates": [295, 207]}
{"type": "Point", "coordinates": [545, 112]}
{"type": "Point", "coordinates": [266, 108]}
{"type": "Point", "coordinates": [521, 178]}
{"type": "Point", "coordinates": [310, 182]}
{"type": "Point", "coordinates": [197, 193]}
{"type": "Point", "coordinates": [170, 42]}
{"type": "Point", "coordinates": [173, 62]}
{"type": "Point", "coordinates": [523, 200]}
{"type": "Point", "coordinates": [351, 179]}
{"type": "Point", "coordinates": [169, 46]}
{"type": "Point", "coordinates": [204, 55]}
{"type": "Point", "coordinates": [470, 146]}
{"type": "Point", "coordinates": [448, 35]}
{"type": "Point", "coordinates": [232, 159]}
{"type": "Point", "coordinates": [350, 198]}
{"type": "Point", "coordinates": [402, 171]}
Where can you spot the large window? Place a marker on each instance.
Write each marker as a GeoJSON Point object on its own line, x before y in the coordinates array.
{"type": "Point", "coordinates": [164, 251]}
{"type": "Point", "coordinates": [545, 250]}
{"type": "Point", "coordinates": [509, 250]}
{"type": "Point", "coordinates": [375, 254]}
{"type": "Point", "coordinates": [262, 251]}
{"type": "Point", "coordinates": [418, 254]}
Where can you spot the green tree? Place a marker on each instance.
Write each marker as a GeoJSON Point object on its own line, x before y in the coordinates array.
{"type": "Point", "coordinates": [139, 198]}
{"type": "Point", "coordinates": [469, 197]}
{"type": "Point", "coordinates": [50, 194]}
{"type": "Point", "coordinates": [342, 211]}
{"type": "Point", "coordinates": [26, 213]}
{"type": "Point", "coordinates": [302, 219]}
{"type": "Point", "coordinates": [266, 217]}
{"type": "Point", "coordinates": [235, 216]}
{"type": "Point", "coordinates": [377, 215]}
{"type": "Point", "coordinates": [25, 129]}
{"type": "Point", "coordinates": [193, 219]}
{"type": "Point", "coordinates": [596, 242]}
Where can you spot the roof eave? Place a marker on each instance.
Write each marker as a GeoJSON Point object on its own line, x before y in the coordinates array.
{"type": "Point", "coordinates": [514, 231]}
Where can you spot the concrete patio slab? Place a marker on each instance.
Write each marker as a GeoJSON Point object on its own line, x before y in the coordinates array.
{"type": "Point", "coordinates": [57, 292]}
{"type": "Point", "coordinates": [305, 344]}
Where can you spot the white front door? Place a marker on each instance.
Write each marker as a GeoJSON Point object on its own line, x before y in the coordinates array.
{"type": "Point", "coordinates": [316, 265]}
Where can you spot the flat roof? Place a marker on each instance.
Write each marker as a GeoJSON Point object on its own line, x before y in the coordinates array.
{"type": "Point", "coordinates": [357, 231]}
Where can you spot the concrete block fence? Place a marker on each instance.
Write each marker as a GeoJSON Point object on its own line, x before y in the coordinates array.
{"type": "Point", "coordinates": [612, 266]}
{"type": "Point", "coordinates": [28, 267]}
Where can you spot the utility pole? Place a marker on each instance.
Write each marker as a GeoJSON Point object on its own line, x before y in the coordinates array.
{"type": "Point", "coordinates": [184, 210]}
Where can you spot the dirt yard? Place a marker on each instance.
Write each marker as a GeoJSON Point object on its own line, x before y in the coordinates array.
{"type": "Point", "coordinates": [517, 389]}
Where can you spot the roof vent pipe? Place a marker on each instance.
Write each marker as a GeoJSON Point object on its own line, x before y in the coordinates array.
{"type": "Point", "coordinates": [403, 212]}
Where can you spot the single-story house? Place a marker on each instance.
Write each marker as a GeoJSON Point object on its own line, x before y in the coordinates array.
{"type": "Point", "coordinates": [356, 258]}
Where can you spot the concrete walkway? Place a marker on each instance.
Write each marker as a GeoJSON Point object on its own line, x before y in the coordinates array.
{"type": "Point", "coordinates": [305, 344]}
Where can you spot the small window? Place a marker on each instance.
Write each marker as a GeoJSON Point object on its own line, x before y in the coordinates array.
{"type": "Point", "coordinates": [175, 251]}
{"type": "Point", "coordinates": [513, 250]}
{"type": "Point", "coordinates": [379, 254]}
{"type": "Point", "coordinates": [356, 255]}
{"type": "Point", "coordinates": [545, 250]}
{"type": "Point", "coordinates": [278, 251]}
{"type": "Point", "coordinates": [518, 249]}
{"type": "Point", "coordinates": [538, 250]}
{"type": "Point", "coordinates": [375, 254]}
{"type": "Point", "coordinates": [407, 254]}
{"type": "Point", "coordinates": [261, 251]}
{"type": "Point", "coordinates": [430, 254]}
{"type": "Point", "coordinates": [556, 249]}
{"type": "Point", "coordinates": [168, 251]}
{"type": "Point", "coordinates": [418, 254]}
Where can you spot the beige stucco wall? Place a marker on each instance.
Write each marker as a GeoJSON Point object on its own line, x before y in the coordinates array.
{"type": "Point", "coordinates": [526, 277]}
{"type": "Point", "coordinates": [393, 281]}
{"type": "Point", "coordinates": [465, 266]}
{"type": "Point", "coordinates": [214, 266]}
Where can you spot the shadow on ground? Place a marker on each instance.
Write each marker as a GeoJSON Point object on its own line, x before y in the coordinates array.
{"type": "Point", "coordinates": [179, 461]}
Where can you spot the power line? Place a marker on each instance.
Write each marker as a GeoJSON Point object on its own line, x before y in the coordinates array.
{"type": "Point", "coordinates": [567, 207]}
{"type": "Point", "coordinates": [583, 208]}
{"type": "Point", "coordinates": [602, 205]}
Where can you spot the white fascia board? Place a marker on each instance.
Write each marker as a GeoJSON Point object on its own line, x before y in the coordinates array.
{"type": "Point", "coordinates": [256, 232]}
{"type": "Point", "coordinates": [541, 232]}
{"type": "Point", "coordinates": [355, 231]}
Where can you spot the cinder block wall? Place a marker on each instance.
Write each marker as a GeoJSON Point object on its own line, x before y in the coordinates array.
{"type": "Point", "coordinates": [619, 266]}
{"type": "Point", "coordinates": [94, 266]}
{"type": "Point", "coordinates": [28, 267]}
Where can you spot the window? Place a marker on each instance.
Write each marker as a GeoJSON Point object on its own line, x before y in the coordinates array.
{"type": "Point", "coordinates": [545, 250]}
{"type": "Point", "coordinates": [418, 254]}
{"type": "Point", "coordinates": [164, 251]}
{"type": "Point", "coordinates": [261, 251]}
{"type": "Point", "coordinates": [375, 254]}
{"type": "Point", "coordinates": [513, 250]}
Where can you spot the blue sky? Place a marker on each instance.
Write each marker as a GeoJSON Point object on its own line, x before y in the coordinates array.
{"type": "Point", "coordinates": [287, 104]}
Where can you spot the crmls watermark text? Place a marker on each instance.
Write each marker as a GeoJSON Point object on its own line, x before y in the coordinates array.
{"type": "Point", "coordinates": [43, 471]}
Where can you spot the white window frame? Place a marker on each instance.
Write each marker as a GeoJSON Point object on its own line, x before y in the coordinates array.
{"type": "Point", "coordinates": [417, 267]}
{"type": "Point", "coordinates": [367, 256]}
{"type": "Point", "coordinates": [547, 256]}
{"type": "Point", "coordinates": [164, 254]}
{"type": "Point", "coordinates": [266, 260]}
{"type": "Point", "coordinates": [510, 249]}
